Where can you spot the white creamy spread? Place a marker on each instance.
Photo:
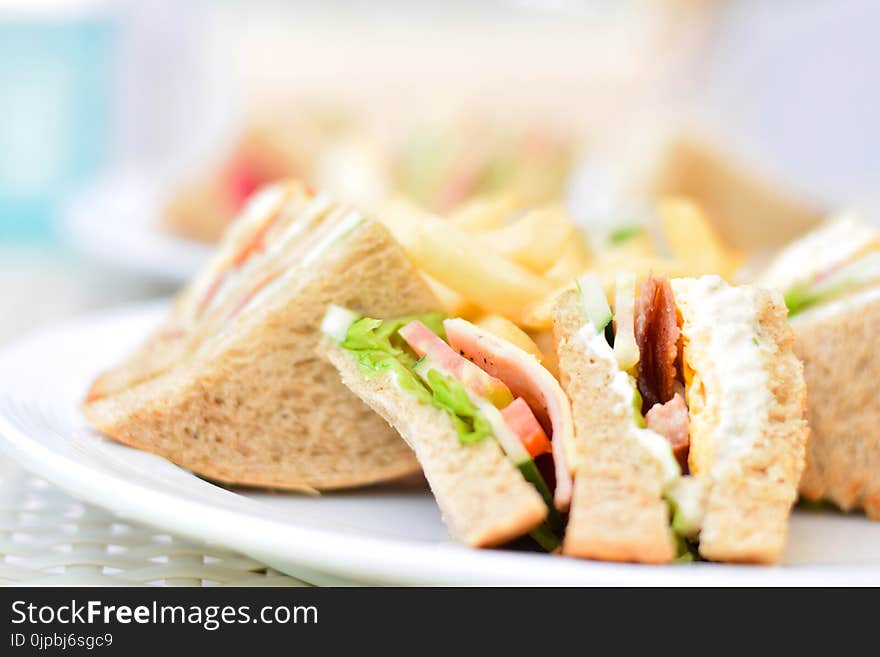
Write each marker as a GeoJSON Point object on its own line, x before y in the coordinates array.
{"type": "Point", "coordinates": [623, 388]}
{"type": "Point", "coordinates": [689, 496]}
{"type": "Point", "coordinates": [347, 224]}
{"type": "Point", "coordinates": [263, 204]}
{"type": "Point", "coordinates": [338, 232]}
{"type": "Point", "coordinates": [315, 210]}
{"type": "Point", "coordinates": [719, 330]}
{"type": "Point", "coordinates": [838, 242]}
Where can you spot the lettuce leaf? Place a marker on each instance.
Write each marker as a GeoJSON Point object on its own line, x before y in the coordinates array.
{"type": "Point", "coordinates": [450, 395]}
{"type": "Point", "coordinates": [624, 233]}
{"type": "Point", "coordinates": [377, 347]}
{"type": "Point", "coordinates": [687, 551]}
{"type": "Point", "coordinates": [375, 340]}
{"type": "Point", "coordinates": [799, 298]}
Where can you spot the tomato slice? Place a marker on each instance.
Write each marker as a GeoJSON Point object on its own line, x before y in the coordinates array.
{"type": "Point", "coordinates": [525, 425]}
{"type": "Point", "coordinates": [242, 180]}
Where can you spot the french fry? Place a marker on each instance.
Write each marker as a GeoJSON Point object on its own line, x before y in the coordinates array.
{"type": "Point", "coordinates": [504, 328]}
{"type": "Point", "coordinates": [451, 302]}
{"type": "Point", "coordinates": [452, 256]}
{"type": "Point", "coordinates": [572, 262]}
{"type": "Point", "coordinates": [403, 218]}
{"type": "Point", "coordinates": [538, 315]}
{"type": "Point", "coordinates": [547, 344]}
{"type": "Point", "coordinates": [486, 212]}
{"type": "Point", "coordinates": [692, 239]}
{"type": "Point", "coordinates": [535, 240]}
{"type": "Point", "coordinates": [607, 267]}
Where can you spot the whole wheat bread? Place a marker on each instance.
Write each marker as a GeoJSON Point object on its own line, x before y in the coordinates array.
{"type": "Point", "coordinates": [617, 510]}
{"type": "Point", "coordinates": [484, 499]}
{"type": "Point", "coordinates": [749, 500]}
{"type": "Point", "coordinates": [842, 370]}
{"type": "Point", "coordinates": [254, 404]}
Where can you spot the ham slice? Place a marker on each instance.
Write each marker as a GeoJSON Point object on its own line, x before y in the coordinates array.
{"type": "Point", "coordinates": [528, 379]}
{"type": "Point", "coordinates": [657, 335]}
{"type": "Point", "coordinates": [671, 421]}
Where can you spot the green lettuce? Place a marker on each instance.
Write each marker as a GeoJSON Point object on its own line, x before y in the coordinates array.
{"type": "Point", "coordinates": [687, 550]}
{"type": "Point", "coordinates": [799, 298]}
{"type": "Point", "coordinates": [377, 347]}
{"type": "Point", "coordinates": [624, 234]}
{"type": "Point", "coordinates": [450, 395]}
{"type": "Point", "coordinates": [849, 278]}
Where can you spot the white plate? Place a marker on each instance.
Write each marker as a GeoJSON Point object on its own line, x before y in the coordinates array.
{"type": "Point", "coordinates": [380, 535]}
{"type": "Point", "coordinates": [115, 220]}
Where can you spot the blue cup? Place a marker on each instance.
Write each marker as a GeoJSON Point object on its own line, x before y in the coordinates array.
{"type": "Point", "coordinates": [55, 77]}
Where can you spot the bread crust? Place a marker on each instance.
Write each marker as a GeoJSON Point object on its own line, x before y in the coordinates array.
{"type": "Point", "coordinates": [749, 501]}
{"type": "Point", "coordinates": [258, 406]}
{"type": "Point", "coordinates": [842, 371]}
{"type": "Point", "coordinates": [483, 498]}
{"type": "Point", "coordinates": [617, 511]}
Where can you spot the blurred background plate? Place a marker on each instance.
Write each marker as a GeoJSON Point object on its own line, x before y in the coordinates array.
{"type": "Point", "coordinates": [382, 535]}
{"type": "Point", "coordinates": [115, 221]}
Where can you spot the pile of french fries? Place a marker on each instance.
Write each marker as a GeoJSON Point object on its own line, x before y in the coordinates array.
{"type": "Point", "coordinates": [502, 264]}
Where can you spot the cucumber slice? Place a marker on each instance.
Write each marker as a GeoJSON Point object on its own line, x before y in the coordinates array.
{"type": "Point", "coordinates": [506, 438]}
{"type": "Point", "coordinates": [626, 351]}
{"type": "Point", "coordinates": [545, 537]}
{"type": "Point", "coordinates": [532, 475]}
{"type": "Point", "coordinates": [515, 451]}
{"type": "Point", "coordinates": [337, 320]}
{"type": "Point", "coordinates": [593, 301]}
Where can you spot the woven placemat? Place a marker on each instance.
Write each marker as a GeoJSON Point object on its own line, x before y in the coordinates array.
{"type": "Point", "coordinates": [50, 538]}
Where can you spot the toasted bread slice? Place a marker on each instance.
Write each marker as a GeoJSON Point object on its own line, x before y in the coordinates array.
{"type": "Point", "coordinates": [243, 398]}
{"type": "Point", "coordinates": [484, 499]}
{"type": "Point", "coordinates": [617, 510]}
{"type": "Point", "coordinates": [838, 345]}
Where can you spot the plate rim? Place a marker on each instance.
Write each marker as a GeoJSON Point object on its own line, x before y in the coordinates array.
{"type": "Point", "coordinates": [343, 557]}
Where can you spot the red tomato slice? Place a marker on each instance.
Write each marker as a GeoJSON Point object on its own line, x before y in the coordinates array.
{"type": "Point", "coordinates": [525, 425]}
{"type": "Point", "coordinates": [242, 181]}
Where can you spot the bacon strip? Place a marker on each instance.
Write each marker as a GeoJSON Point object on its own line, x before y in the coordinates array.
{"type": "Point", "coordinates": [671, 421]}
{"type": "Point", "coordinates": [657, 334]}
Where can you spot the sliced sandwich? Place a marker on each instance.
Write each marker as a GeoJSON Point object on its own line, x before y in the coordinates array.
{"type": "Point", "coordinates": [231, 387]}
{"type": "Point", "coordinates": [688, 408]}
{"type": "Point", "coordinates": [831, 283]}
{"type": "Point", "coordinates": [443, 166]}
{"type": "Point", "coordinates": [273, 147]}
{"type": "Point", "coordinates": [486, 421]}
